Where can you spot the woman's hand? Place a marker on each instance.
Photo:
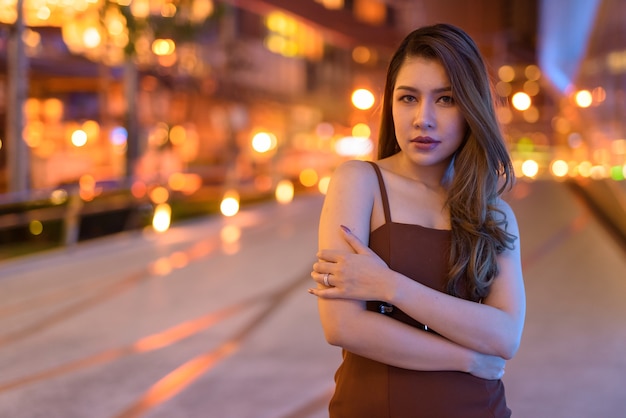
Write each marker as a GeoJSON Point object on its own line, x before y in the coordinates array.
{"type": "Point", "coordinates": [359, 275]}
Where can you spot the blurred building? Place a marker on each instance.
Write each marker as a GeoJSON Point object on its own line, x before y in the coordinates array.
{"type": "Point", "coordinates": [146, 89]}
{"type": "Point", "coordinates": [204, 87]}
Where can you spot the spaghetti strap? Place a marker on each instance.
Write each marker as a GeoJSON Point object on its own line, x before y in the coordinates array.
{"type": "Point", "coordinates": [383, 192]}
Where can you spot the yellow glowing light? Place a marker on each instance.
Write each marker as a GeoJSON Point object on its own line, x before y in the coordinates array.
{"type": "Point", "coordinates": [91, 128]}
{"type": "Point", "coordinates": [200, 10]}
{"type": "Point", "coordinates": [284, 191]}
{"type": "Point", "coordinates": [532, 72]}
{"type": "Point", "coordinates": [361, 130]}
{"type": "Point", "coordinates": [264, 142]}
{"type": "Point", "coordinates": [559, 168]}
{"type": "Point", "coordinates": [530, 168]}
{"type": "Point", "coordinates": [91, 38]}
{"type": "Point", "coordinates": [159, 195]}
{"type": "Point", "coordinates": [506, 73]}
{"type": "Point", "coordinates": [521, 101]}
{"type": "Point", "coordinates": [178, 135]}
{"type": "Point", "coordinates": [308, 177]}
{"type": "Point", "coordinates": [58, 196]}
{"type": "Point", "coordinates": [531, 115]}
{"type": "Point", "coordinates": [162, 47]}
{"type": "Point", "coordinates": [79, 138]}
{"type": "Point", "coordinates": [35, 227]}
{"type": "Point", "coordinates": [230, 203]}
{"type": "Point", "coordinates": [361, 54]}
{"type": "Point", "coordinates": [32, 107]}
{"type": "Point", "coordinates": [322, 185]}
{"type": "Point", "coordinates": [584, 169]}
{"type": "Point", "coordinates": [331, 4]}
{"type": "Point", "coordinates": [363, 99]}
{"type": "Point", "coordinates": [87, 182]}
{"type": "Point", "coordinates": [176, 181]}
{"type": "Point", "coordinates": [52, 110]}
{"type": "Point", "coordinates": [583, 98]}
{"type": "Point", "coordinates": [162, 217]}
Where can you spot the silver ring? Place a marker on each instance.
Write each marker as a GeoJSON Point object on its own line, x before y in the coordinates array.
{"type": "Point", "coordinates": [326, 280]}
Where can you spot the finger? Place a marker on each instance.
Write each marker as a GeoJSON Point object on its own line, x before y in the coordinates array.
{"type": "Point", "coordinates": [325, 293]}
{"type": "Point", "coordinates": [354, 241]}
{"type": "Point", "coordinates": [323, 279]}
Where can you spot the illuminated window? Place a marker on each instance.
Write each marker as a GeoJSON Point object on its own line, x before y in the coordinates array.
{"type": "Point", "coordinates": [291, 38]}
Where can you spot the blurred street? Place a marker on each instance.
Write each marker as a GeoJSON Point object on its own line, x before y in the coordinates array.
{"type": "Point", "coordinates": [212, 319]}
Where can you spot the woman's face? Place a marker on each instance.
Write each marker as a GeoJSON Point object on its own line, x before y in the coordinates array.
{"type": "Point", "coordinates": [429, 125]}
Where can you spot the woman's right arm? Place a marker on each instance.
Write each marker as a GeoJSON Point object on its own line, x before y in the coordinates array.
{"type": "Point", "coordinates": [346, 323]}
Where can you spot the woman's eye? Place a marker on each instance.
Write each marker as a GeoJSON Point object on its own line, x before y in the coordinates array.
{"type": "Point", "coordinates": [447, 100]}
{"type": "Point", "coordinates": [408, 99]}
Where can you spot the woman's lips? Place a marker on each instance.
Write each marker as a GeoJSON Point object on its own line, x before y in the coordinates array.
{"type": "Point", "coordinates": [425, 143]}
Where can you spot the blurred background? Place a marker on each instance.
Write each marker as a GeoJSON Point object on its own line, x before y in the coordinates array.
{"type": "Point", "coordinates": [111, 111]}
{"type": "Point", "coordinates": [159, 135]}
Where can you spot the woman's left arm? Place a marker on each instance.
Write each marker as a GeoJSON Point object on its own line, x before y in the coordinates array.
{"type": "Point", "coordinates": [493, 327]}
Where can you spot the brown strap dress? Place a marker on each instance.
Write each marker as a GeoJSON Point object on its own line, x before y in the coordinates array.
{"type": "Point", "coordinates": [369, 389]}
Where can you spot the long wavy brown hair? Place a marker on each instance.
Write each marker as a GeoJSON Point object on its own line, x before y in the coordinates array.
{"type": "Point", "coordinates": [481, 169]}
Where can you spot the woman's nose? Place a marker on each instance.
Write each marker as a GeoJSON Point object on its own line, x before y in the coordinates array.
{"type": "Point", "coordinates": [424, 117]}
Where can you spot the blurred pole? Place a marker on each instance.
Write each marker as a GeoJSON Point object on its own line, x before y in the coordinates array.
{"type": "Point", "coordinates": [18, 161]}
{"type": "Point", "coordinates": [131, 79]}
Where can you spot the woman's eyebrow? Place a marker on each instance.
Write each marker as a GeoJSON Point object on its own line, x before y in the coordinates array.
{"type": "Point", "coordinates": [436, 91]}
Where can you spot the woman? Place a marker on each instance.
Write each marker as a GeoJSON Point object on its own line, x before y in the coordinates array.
{"type": "Point", "coordinates": [428, 314]}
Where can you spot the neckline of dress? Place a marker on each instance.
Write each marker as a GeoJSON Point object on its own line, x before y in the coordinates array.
{"type": "Point", "coordinates": [427, 228]}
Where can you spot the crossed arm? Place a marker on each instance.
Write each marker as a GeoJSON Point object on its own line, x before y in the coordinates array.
{"type": "Point", "coordinates": [474, 338]}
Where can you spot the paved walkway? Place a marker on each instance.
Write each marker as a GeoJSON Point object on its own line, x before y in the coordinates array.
{"type": "Point", "coordinates": [212, 319]}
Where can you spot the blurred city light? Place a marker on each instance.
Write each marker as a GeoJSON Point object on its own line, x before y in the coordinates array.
{"type": "Point", "coordinates": [322, 185]}
{"type": "Point", "coordinates": [284, 191]}
{"type": "Point", "coordinates": [79, 138]}
{"type": "Point", "coordinates": [308, 177]}
{"type": "Point", "coordinates": [35, 227]}
{"type": "Point", "coordinates": [506, 73]}
{"type": "Point", "coordinates": [530, 168]}
{"type": "Point", "coordinates": [162, 217]}
{"type": "Point", "coordinates": [361, 130]}
{"type": "Point", "coordinates": [583, 98]}
{"type": "Point", "coordinates": [351, 146]}
{"type": "Point", "coordinates": [230, 203]}
{"type": "Point", "coordinates": [363, 99]}
{"type": "Point", "coordinates": [559, 168]}
{"type": "Point", "coordinates": [521, 101]}
{"type": "Point", "coordinates": [263, 142]}
{"type": "Point", "coordinates": [159, 195]}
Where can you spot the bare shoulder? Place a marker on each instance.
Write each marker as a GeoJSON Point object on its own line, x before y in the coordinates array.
{"type": "Point", "coordinates": [354, 175]}
{"type": "Point", "coordinates": [355, 168]}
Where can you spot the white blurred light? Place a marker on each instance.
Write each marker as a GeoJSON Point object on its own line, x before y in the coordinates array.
{"type": "Point", "coordinates": [162, 217]}
{"type": "Point", "coordinates": [352, 146]}
{"type": "Point", "coordinates": [530, 168]}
